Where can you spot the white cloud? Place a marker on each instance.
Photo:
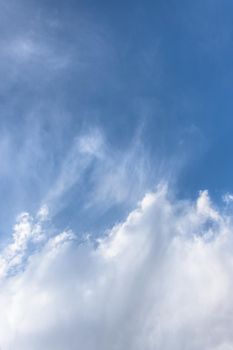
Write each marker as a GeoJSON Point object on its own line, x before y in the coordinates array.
{"type": "Point", "coordinates": [34, 55]}
{"type": "Point", "coordinates": [43, 213]}
{"type": "Point", "coordinates": [158, 280]}
{"type": "Point", "coordinates": [228, 198]}
{"type": "Point", "coordinates": [84, 149]}
{"type": "Point", "coordinates": [121, 177]}
{"type": "Point", "coordinates": [26, 231]}
{"type": "Point", "coordinates": [114, 177]}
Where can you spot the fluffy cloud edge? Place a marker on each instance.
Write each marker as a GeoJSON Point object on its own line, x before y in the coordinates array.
{"type": "Point", "coordinates": [160, 279]}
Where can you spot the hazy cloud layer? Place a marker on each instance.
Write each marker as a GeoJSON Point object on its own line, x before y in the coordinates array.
{"type": "Point", "coordinates": [162, 279]}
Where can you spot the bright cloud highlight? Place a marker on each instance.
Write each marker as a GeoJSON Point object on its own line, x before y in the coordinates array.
{"type": "Point", "coordinates": [162, 279]}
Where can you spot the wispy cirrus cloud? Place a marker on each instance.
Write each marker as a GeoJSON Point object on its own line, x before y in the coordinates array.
{"type": "Point", "coordinates": [35, 51]}
{"type": "Point", "coordinates": [114, 177]}
{"type": "Point", "coordinates": [65, 170]}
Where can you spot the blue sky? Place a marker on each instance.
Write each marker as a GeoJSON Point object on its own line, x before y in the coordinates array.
{"type": "Point", "coordinates": [156, 71]}
{"type": "Point", "coordinates": [103, 102]}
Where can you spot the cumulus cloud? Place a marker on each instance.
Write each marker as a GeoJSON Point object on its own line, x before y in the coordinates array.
{"type": "Point", "coordinates": [161, 279]}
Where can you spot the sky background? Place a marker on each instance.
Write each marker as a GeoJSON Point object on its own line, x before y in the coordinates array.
{"type": "Point", "coordinates": [102, 102]}
{"type": "Point", "coordinates": [155, 73]}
